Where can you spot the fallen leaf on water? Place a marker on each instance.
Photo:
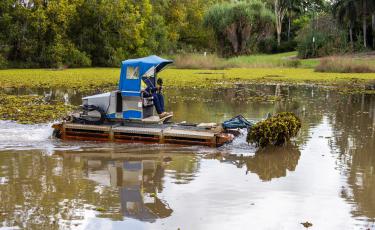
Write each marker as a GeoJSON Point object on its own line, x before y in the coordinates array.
{"type": "Point", "coordinates": [307, 224]}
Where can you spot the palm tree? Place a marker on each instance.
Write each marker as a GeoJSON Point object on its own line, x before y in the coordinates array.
{"type": "Point", "coordinates": [346, 13]}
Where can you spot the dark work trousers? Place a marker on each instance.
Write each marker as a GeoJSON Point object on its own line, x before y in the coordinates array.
{"type": "Point", "coordinates": [158, 102]}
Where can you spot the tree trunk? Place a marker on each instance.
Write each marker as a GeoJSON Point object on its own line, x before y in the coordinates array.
{"type": "Point", "coordinates": [373, 29]}
{"type": "Point", "coordinates": [289, 25]}
{"type": "Point", "coordinates": [279, 15]}
{"type": "Point", "coordinates": [239, 39]}
{"type": "Point", "coordinates": [364, 22]}
{"type": "Point", "coordinates": [351, 36]}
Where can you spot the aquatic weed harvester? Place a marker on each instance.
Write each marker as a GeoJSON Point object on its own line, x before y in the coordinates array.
{"type": "Point", "coordinates": [128, 114]}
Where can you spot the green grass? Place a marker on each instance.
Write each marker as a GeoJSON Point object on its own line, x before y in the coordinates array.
{"type": "Point", "coordinates": [309, 63]}
{"type": "Point", "coordinates": [274, 60]}
{"type": "Point", "coordinates": [262, 59]}
{"type": "Point", "coordinates": [198, 61]}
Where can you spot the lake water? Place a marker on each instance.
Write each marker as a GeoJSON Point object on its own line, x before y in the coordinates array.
{"type": "Point", "coordinates": [325, 177]}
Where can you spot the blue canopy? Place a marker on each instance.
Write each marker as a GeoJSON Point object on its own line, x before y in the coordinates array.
{"type": "Point", "coordinates": [140, 66]}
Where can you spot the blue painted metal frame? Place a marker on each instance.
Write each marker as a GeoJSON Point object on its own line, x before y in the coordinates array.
{"type": "Point", "coordinates": [132, 87]}
{"type": "Point", "coordinates": [130, 94]}
{"type": "Point", "coordinates": [144, 64]}
{"type": "Point", "coordinates": [132, 114]}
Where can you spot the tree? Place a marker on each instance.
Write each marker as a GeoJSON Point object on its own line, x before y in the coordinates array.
{"type": "Point", "coordinates": [329, 38]}
{"type": "Point", "coordinates": [372, 9]}
{"type": "Point", "coordinates": [345, 11]}
{"type": "Point", "coordinates": [235, 24]}
{"type": "Point", "coordinates": [364, 21]}
{"type": "Point", "coordinates": [108, 37]}
{"type": "Point", "coordinates": [280, 7]}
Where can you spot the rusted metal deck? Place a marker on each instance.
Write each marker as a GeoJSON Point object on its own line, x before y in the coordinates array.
{"type": "Point", "coordinates": [144, 133]}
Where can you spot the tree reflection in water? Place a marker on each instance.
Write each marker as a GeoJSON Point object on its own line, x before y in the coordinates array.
{"type": "Point", "coordinates": [273, 162]}
{"type": "Point", "coordinates": [353, 122]}
{"type": "Point", "coordinates": [268, 163]}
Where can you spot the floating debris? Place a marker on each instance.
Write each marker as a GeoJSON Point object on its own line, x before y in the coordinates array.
{"type": "Point", "coordinates": [100, 209]}
{"type": "Point", "coordinates": [307, 224]}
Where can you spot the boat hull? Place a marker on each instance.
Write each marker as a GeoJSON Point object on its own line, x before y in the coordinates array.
{"type": "Point", "coordinates": [132, 133]}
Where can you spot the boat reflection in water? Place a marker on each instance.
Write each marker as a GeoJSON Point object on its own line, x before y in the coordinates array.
{"type": "Point", "coordinates": [138, 182]}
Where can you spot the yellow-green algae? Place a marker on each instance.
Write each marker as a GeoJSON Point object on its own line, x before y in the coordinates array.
{"type": "Point", "coordinates": [103, 78]}
{"type": "Point", "coordinates": [201, 78]}
{"type": "Point", "coordinates": [31, 109]}
{"type": "Point", "coordinates": [26, 109]}
{"type": "Point", "coordinates": [81, 79]}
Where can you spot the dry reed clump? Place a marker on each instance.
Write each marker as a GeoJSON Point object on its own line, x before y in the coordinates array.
{"type": "Point", "coordinates": [344, 65]}
{"type": "Point", "coordinates": [194, 61]}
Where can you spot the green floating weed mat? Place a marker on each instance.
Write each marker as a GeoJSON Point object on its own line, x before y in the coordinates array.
{"type": "Point", "coordinates": [28, 109]}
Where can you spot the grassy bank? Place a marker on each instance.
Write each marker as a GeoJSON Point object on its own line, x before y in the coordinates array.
{"type": "Point", "coordinates": [349, 63]}
{"type": "Point", "coordinates": [198, 61]}
{"type": "Point", "coordinates": [107, 78]}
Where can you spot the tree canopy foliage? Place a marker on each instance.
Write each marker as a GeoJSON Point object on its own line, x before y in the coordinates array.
{"type": "Point", "coordinates": [51, 33]}
{"type": "Point", "coordinates": [78, 33]}
{"type": "Point", "coordinates": [234, 24]}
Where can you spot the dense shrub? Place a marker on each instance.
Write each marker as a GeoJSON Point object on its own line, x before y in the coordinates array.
{"type": "Point", "coordinates": [292, 63]}
{"type": "Point", "coordinates": [267, 45]}
{"type": "Point", "coordinates": [329, 39]}
{"type": "Point", "coordinates": [75, 58]}
{"type": "Point", "coordinates": [3, 62]}
{"type": "Point", "coordinates": [286, 46]}
{"type": "Point", "coordinates": [276, 130]}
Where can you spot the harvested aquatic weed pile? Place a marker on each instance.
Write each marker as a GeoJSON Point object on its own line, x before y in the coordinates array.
{"type": "Point", "coordinates": [31, 109]}
{"type": "Point", "coordinates": [276, 130]}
